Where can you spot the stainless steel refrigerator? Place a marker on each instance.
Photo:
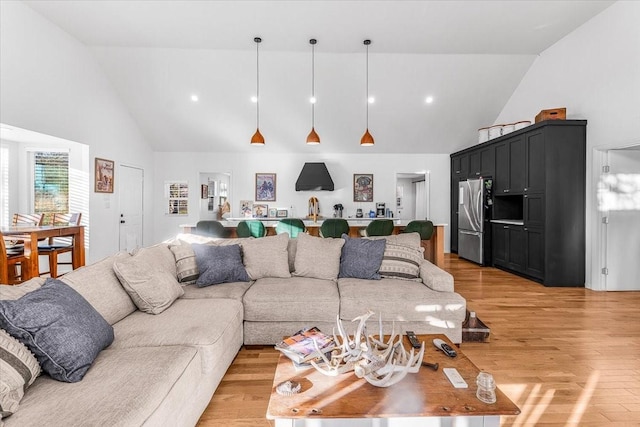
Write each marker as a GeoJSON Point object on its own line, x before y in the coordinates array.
{"type": "Point", "coordinates": [474, 213]}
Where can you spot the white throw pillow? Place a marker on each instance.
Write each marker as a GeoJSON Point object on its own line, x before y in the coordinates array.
{"type": "Point", "coordinates": [318, 257]}
{"type": "Point", "coordinates": [152, 290]}
{"type": "Point", "coordinates": [266, 256]}
{"type": "Point", "coordinates": [18, 370]}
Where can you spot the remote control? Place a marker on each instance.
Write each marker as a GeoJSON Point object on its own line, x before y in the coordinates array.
{"type": "Point", "coordinates": [413, 340]}
{"type": "Point", "coordinates": [446, 348]}
{"type": "Point", "coordinates": [454, 377]}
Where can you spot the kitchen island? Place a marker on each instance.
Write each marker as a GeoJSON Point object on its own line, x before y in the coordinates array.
{"type": "Point", "coordinates": [433, 248]}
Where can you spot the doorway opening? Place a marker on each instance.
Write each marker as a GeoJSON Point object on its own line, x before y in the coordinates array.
{"type": "Point", "coordinates": [412, 195]}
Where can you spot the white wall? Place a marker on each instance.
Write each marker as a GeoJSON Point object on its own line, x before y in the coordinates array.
{"type": "Point", "coordinates": [52, 84]}
{"type": "Point", "coordinates": [187, 166]}
{"type": "Point", "coordinates": [595, 73]}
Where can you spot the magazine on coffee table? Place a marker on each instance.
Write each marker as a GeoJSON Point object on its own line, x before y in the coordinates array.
{"type": "Point", "coordinates": [300, 346]}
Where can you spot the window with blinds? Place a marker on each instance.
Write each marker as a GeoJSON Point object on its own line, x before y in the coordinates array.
{"type": "Point", "coordinates": [51, 182]}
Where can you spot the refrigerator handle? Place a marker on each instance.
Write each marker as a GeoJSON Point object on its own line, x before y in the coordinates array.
{"type": "Point", "coordinates": [473, 233]}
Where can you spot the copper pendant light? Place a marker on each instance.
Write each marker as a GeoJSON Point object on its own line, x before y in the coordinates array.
{"type": "Point", "coordinates": [367, 138]}
{"type": "Point", "coordinates": [257, 138]}
{"type": "Point", "coordinates": [313, 138]}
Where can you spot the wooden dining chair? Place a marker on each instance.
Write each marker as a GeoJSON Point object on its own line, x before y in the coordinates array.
{"type": "Point", "coordinates": [9, 261]}
{"type": "Point", "coordinates": [27, 219]}
{"type": "Point", "coordinates": [59, 245]}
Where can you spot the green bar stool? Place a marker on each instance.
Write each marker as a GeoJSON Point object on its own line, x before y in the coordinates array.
{"type": "Point", "coordinates": [251, 229]}
{"type": "Point", "coordinates": [293, 226]}
{"type": "Point", "coordinates": [422, 227]}
{"type": "Point", "coordinates": [334, 227]}
{"type": "Point", "coordinates": [211, 228]}
{"type": "Point", "coordinates": [379, 227]}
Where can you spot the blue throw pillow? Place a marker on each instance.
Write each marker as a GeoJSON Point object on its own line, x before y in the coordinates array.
{"type": "Point", "coordinates": [219, 264]}
{"type": "Point", "coordinates": [361, 258]}
{"type": "Point", "coordinates": [60, 327]}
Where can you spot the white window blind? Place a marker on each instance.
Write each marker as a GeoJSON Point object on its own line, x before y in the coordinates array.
{"type": "Point", "coordinates": [51, 182]}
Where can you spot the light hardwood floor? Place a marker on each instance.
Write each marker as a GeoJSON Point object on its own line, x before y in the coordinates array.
{"type": "Point", "coordinates": [565, 356]}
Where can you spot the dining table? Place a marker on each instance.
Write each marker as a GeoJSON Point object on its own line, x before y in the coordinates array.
{"type": "Point", "coordinates": [32, 234]}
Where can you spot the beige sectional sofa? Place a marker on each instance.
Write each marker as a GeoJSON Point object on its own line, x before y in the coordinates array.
{"type": "Point", "coordinates": [163, 369]}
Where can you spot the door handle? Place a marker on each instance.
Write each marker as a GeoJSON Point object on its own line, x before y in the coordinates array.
{"type": "Point", "coordinates": [122, 221]}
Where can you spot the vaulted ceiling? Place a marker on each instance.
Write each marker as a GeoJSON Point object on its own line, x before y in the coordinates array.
{"type": "Point", "coordinates": [468, 55]}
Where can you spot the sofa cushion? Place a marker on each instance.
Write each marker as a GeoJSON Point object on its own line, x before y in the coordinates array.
{"type": "Point", "coordinates": [125, 387]}
{"type": "Point", "coordinates": [401, 262]}
{"type": "Point", "coordinates": [186, 265]}
{"type": "Point", "coordinates": [361, 258]}
{"type": "Point", "coordinates": [152, 289]}
{"type": "Point", "coordinates": [404, 239]}
{"type": "Point", "coordinates": [266, 257]}
{"type": "Point", "coordinates": [98, 284]}
{"type": "Point", "coordinates": [160, 256]}
{"type": "Point", "coordinates": [214, 326]}
{"type": "Point", "coordinates": [18, 370]}
{"type": "Point", "coordinates": [219, 264]}
{"type": "Point", "coordinates": [60, 327]}
{"type": "Point", "coordinates": [318, 257]}
{"type": "Point", "coordinates": [399, 300]}
{"type": "Point", "coordinates": [11, 292]}
{"type": "Point", "coordinates": [436, 278]}
{"type": "Point", "coordinates": [233, 290]}
{"type": "Point", "coordinates": [292, 299]}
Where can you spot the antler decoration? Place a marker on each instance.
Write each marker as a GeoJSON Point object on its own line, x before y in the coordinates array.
{"type": "Point", "coordinates": [380, 363]}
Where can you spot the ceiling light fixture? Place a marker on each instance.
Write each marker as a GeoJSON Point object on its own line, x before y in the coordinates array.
{"type": "Point", "coordinates": [313, 138]}
{"type": "Point", "coordinates": [367, 139]}
{"type": "Point", "coordinates": [194, 98]}
{"type": "Point", "coordinates": [257, 138]}
{"type": "Point", "coordinates": [429, 99]}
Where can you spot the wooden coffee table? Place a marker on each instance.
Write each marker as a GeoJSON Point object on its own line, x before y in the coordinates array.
{"type": "Point", "coordinates": [423, 399]}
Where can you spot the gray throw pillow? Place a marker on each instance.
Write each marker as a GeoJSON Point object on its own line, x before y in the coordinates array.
{"type": "Point", "coordinates": [318, 257]}
{"type": "Point", "coordinates": [219, 264]}
{"type": "Point", "coordinates": [361, 258]}
{"type": "Point", "coordinates": [266, 256]}
{"type": "Point", "coordinates": [401, 262]}
{"type": "Point", "coordinates": [60, 327]}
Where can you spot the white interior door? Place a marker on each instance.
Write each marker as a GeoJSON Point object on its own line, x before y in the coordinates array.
{"type": "Point", "coordinates": [620, 202]}
{"type": "Point", "coordinates": [131, 207]}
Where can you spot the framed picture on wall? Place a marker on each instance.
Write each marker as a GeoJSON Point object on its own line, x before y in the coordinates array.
{"type": "Point", "coordinates": [265, 187]}
{"type": "Point", "coordinates": [273, 212]}
{"type": "Point", "coordinates": [104, 176]}
{"type": "Point", "coordinates": [246, 208]}
{"type": "Point", "coordinates": [260, 211]}
{"type": "Point", "coordinates": [363, 187]}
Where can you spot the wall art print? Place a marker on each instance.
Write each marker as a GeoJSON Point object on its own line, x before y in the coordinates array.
{"type": "Point", "coordinates": [265, 187]}
{"type": "Point", "coordinates": [104, 176]}
{"type": "Point", "coordinates": [363, 187]}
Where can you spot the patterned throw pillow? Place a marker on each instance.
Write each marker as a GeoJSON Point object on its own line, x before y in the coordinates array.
{"type": "Point", "coordinates": [18, 370]}
{"type": "Point", "coordinates": [401, 262]}
{"type": "Point", "coordinates": [186, 265]}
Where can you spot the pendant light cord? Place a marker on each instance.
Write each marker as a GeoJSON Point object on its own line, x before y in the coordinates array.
{"type": "Point", "coordinates": [367, 79]}
{"type": "Point", "coordinates": [313, 83]}
{"type": "Point", "coordinates": [257, 83]}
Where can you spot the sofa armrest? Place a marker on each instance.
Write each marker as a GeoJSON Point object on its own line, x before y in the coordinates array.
{"type": "Point", "coordinates": [435, 277]}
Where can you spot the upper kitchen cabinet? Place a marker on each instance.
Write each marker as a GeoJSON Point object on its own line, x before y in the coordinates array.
{"type": "Point", "coordinates": [482, 162]}
{"type": "Point", "coordinates": [510, 165]}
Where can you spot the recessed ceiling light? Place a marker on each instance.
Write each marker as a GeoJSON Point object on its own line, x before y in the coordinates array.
{"type": "Point", "coordinates": [371, 100]}
{"type": "Point", "coordinates": [254, 99]}
{"type": "Point", "coordinates": [312, 100]}
{"type": "Point", "coordinates": [429, 100]}
{"type": "Point", "coordinates": [194, 98]}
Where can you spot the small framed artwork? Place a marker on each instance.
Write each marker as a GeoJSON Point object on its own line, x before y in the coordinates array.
{"type": "Point", "coordinates": [282, 213]}
{"type": "Point", "coordinates": [260, 211]}
{"type": "Point", "coordinates": [265, 187]}
{"type": "Point", "coordinates": [273, 212]}
{"type": "Point", "coordinates": [363, 187]}
{"type": "Point", "coordinates": [104, 176]}
{"type": "Point", "coordinates": [246, 208]}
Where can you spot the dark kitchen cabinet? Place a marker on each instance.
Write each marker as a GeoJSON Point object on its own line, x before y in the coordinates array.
{"type": "Point", "coordinates": [482, 162]}
{"type": "Point", "coordinates": [510, 166]}
{"type": "Point", "coordinates": [539, 179]}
